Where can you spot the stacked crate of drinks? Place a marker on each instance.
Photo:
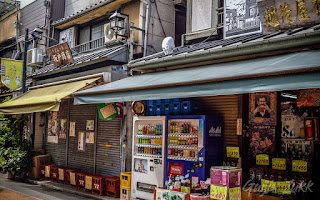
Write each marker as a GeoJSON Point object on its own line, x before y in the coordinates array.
{"type": "Point", "coordinates": [176, 127]}
{"type": "Point", "coordinates": [154, 141]}
{"type": "Point", "coordinates": [150, 129]}
{"type": "Point", "coordinates": [149, 150]}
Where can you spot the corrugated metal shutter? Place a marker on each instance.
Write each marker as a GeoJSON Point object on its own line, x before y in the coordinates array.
{"type": "Point", "coordinates": [39, 128]}
{"type": "Point", "coordinates": [83, 160]}
{"type": "Point", "coordinates": [108, 158]}
{"type": "Point", "coordinates": [58, 151]}
{"type": "Point", "coordinates": [228, 107]}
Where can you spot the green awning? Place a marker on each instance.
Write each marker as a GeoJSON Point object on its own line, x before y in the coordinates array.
{"type": "Point", "coordinates": [284, 72]}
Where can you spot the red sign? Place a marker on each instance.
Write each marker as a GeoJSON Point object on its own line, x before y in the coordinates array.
{"type": "Point", "coordinates": [175, 169]}
{"type": "Point", "coordinates": [60, 54]}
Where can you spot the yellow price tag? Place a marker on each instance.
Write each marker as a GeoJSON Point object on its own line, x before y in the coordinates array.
{"type": "Point", "coordinates": [265, 185]}
{"type": "Point", "coordinates": [233, 152]}
{"type": "Point", "coordinates": [283, 187]}
{"type": "Point", "coordinates": [217, 192]}
{"type": "Point", "coordinates": [299, 166]}
{"type": "Point", "coordinates": [235, 193]}
{"type": "Point", "coordinates": [279, 163]}
{"type": "Point", "coordinates": [262, 159]}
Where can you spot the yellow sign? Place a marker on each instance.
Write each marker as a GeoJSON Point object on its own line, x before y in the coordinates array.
{"type": "Point", "coordinates": [299, 166]}
{"type": "Point", "coordinates": [233, 152]}
{"type": "Point", "coordinates": [217, 192]}
{"type": "Point", "coordinates": [279, 163]}
{"type": "Point", "coordinates": [235, 193]}
{"type": "Point", "coordinates": [268, 186]}
{"type": "Point", "coordinates": [11, 73]}
{"type": "Point", "coordinates": [283, 187]}
{"type": "Point", "coordinates": [262, 159]}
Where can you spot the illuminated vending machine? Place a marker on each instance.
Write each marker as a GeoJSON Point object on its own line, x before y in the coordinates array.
{"type": "Point", "coordinates": [148, 159]}
{"type": "Point", "coordinates": [194, 144]}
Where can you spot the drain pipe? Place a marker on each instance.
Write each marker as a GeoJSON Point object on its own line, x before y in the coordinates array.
{"type": "Point", "coordinates": [146, 28]}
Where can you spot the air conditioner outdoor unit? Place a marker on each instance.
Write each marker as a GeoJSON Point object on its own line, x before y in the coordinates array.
{"type": "Point", "coordinates": [34, 57]}
{"type": "Point", "coordinates": [110, 34]}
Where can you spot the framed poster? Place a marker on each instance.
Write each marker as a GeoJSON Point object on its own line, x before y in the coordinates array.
{"type": "Point", "coordinates": [90, 137]}
{"type": "Point", "coordinates": [262, 140]}
{"type": "Point", "coordinates": [90, 125]}
{"type": "Point", "coordinates": [141, 165]}
{"type": "Point", "coordinates": [72, 129]}
{"type": "Point", "coordinates": [241, 18]}
{"type": "Point", "coordinates": [263, 107]}
{"type": "Point", "coordinates": [63, 129]}
{"type": "Point", "coordinates": [53, 127]}
{"type": "Point", "coordinates": [81, 141]}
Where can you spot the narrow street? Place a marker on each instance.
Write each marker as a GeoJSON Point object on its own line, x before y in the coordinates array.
{"type": "Point", "coordinates": [13, 190]}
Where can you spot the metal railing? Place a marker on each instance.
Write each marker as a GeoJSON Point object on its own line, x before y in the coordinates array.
{"type": "Point", "coordinates": [91, 45]}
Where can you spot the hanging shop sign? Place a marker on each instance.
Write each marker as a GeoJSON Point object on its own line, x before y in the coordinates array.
{"type": "Point", "coordinates": [138, 107]}
{"type": "Point", "coordinates": [53, 127]}
{"type": "Point", "coordinates": [107, 111]}
{"type": "Point", "coordinates": [11, 73]}
{"type": "Point", "coordinates": [72, 131]}
{"type": "Point", "coordinates": [288, 14]}
{"type": "Point", "coordinates": [233, 152]}
{"type": "Point", "coordinates": [60, 54]}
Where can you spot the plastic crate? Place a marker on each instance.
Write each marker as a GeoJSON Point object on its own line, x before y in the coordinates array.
{"type": "Point", "coordinates": [47, 173]}
{"type": "Point", "coordinates": [166, 109]}
{"type": "Point", "coordinates": [175, 108]}
{"type": "Point", "coordinates": [43, 171]}
{"type": "Point", "coordinates": [125, 179]}
{"type": "Point", "coordinates": [71, 177]}
{"type": "Point", "coordinates": [54, 173]}
{"type": "Point", "coordinates": [81, 181]}
{"type": "Point", "coordinates": [125, 193]}
{"type": "Point", "coordinates": [159, 109]}
{"type": "Point", "coordinates": [62, 174]}
{"type": "Point", "coordinates": [150, 108]}
{"type": "Point", "coordinates": [113, 186]}
{"type": "Point", "coordinates": [190, 107]}
{"type": "Point", "coordinates": [98, 185]}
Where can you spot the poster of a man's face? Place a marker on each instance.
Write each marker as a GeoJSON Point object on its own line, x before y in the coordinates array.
{"type": "Point", "coordinates": [263, 108]}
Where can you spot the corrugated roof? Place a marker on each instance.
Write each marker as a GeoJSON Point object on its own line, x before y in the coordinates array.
{"type": "Point", "coordinates": [81, 58]}
{"type": "Point", "coordinates": [223, 43]}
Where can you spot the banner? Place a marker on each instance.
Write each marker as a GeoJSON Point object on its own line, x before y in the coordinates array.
{"type": "Point", "coordinates": [107, 111]}
{"type": "Point", "coordinates": [11, 73]}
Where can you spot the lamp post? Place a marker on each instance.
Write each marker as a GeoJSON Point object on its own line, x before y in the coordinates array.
{"type": "Point", "coordinates": [117, 23]}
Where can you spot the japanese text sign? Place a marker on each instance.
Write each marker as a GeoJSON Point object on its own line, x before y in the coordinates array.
{"type": "Point", "coordinates": [299, 166]}
{"type": "Point", "coordinates": [279, 163]}
{"type": "Point", "coordinates": [235, 193]}
{"type": "Point", "coordinates": [262, 159]}
{"type": "Point", "coordinates": [11, 73]}
{"type": "Point", "coordinates": [283, 187]}
{"type": "Point", "coordinates": [60, 54]}
{"type": "Point", "coordinates": [217, 192]}
{"type": "Point", "coordinates": [233, 152]}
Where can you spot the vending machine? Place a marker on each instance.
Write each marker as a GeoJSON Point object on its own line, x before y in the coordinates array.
{"type": "Point", "coordinates": [194, 144]}
{"type": "Point", "coordinates": [148, 159]}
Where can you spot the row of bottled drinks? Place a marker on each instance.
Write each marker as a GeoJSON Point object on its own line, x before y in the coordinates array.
{"type": "Point", "coordinates": [150, 129]}
{"type": "Point", "coordinates": [176, 127]}
{"type": "Point", "coordinates": [148, 150]}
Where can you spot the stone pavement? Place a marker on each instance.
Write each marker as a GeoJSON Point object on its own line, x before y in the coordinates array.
{"type": "Point", "coordinates": [43, 190]}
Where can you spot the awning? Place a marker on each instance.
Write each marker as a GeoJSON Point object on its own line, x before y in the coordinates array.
{"type": "Point", "coordinates": [284, 72]}
{"type": "Point", "coordinates": [43, 98]}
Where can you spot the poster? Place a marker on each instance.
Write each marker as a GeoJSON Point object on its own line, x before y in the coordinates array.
{"type": "Point", "coordinates": [90, 137]}
{"type": "Point", "coordinates": [240, 18]}
{"type": "Point", "coordinates": [262, 140]}
{"type": "Point", "coordinates": [72, 129]}
{"type": "Point", "coordinates": [81, 141]}
{"type": "Point", "coordinates": [309, 97]}
{"type": "Point", "coordinates": [90, 125]}
{"type": "Point", "coordinates": [63, 129]}
{"type": "Point", "coordinates": [11, 73]}
{"type": "Point", "coordinates": [140, 165]}
{"type": "Point", "coordinates": [292, 120]}
{"type": "Point", "coordinates": [107, 111]}
{"type": "Point", "coordinates": [263, 108]}
{"type": "Point", "coordinates": [53, 127]}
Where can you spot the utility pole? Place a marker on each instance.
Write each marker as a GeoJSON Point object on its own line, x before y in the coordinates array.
{"type": "Point", "coordinates": [24, 87]}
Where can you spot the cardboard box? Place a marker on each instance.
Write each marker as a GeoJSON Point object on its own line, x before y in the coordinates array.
{"type": "Point", "coordinates": [37, 161]}
{"type": "Point", "coordinates": [226, 176]}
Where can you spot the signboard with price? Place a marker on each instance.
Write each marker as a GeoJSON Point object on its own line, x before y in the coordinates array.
{"type": "Point", "coordinates": [283, 187]}
{"type": "Point", "coordinates": [217, 192]}
{"type": "Point", "coordinates": [299, 166]}
{"type": "Point", "coordinates": [235, 193]}
{"type": "Point", "coordinates": [279, 163]}
{"type": "Point", "coordinates": [262, 159]}
{"type": "Point", "coordinates": [233, 152]}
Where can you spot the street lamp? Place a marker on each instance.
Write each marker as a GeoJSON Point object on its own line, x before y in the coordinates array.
{"type": "Point", "coordinates": [117, 23]}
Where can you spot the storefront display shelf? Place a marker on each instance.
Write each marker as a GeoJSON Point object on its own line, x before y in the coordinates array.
{"type": "Point", "coordinates": [182, 135]}
{"type": "Point", "coordinates": [192, 147]}
{"type": "Point", "coordinates": [148, 155]}
{"type": "Point", "coordinates": [149, 136]}
{"type": "Point", "coordinates": [149, 145]}
{"type": "Point", "coordinates": [182, 158]}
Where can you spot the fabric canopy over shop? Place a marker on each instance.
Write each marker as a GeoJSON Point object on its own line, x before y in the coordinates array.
{"type": "Point", "coordinates": [42, 99]}
{"type": "Point", "coordinates": [283, 72]}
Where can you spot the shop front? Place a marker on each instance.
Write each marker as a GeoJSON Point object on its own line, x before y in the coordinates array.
{"type": "Point", "coordinates": [257, 89]}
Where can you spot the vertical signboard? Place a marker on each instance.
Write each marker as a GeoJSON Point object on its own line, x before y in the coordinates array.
{"type": "Point", "coordinates": [11, 73]}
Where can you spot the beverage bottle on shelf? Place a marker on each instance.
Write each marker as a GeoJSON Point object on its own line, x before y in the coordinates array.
{"type": "Point", "coordinates": [252, 173]}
